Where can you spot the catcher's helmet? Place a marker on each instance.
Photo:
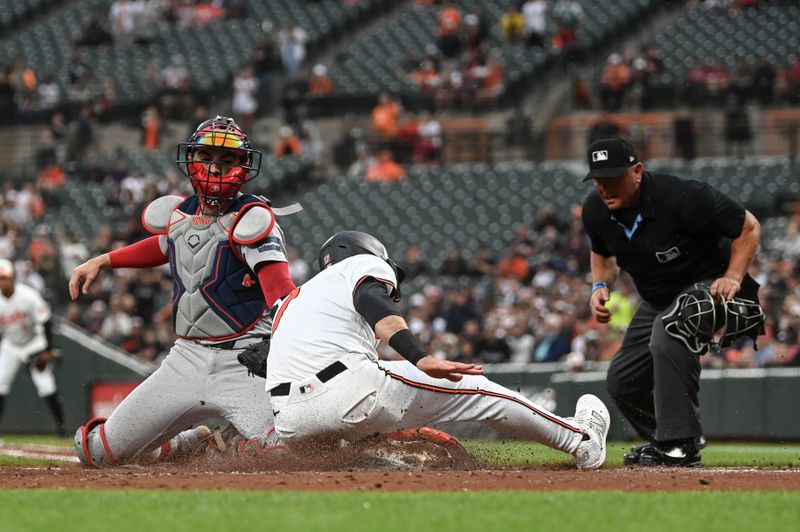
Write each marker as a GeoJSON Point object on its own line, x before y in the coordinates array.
{"type": "Point", "coordinates": [696, 317]}
{"type": "Point", "coordinates": [346, 244]}
{"type": "Point", "coordinates": [217, 190]}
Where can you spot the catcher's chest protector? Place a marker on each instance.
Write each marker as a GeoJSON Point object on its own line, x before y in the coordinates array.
{"type": "Point", "coordinates": [215, 294]}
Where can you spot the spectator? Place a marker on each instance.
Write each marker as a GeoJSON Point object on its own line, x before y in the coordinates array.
{"type": "Point", "coordinates": [245, 98]}
{"type": "Point", "coordinates": [535, 15]}
{"type": "Point", "coordinates": [484, 263]}
{"type": "Point", "coordinates": [512, 24]}
{"type": "Point", "coordinates": [385, 115]}
{"type": "Point", "coordinates": [764, 81]}
{"type": "Point", "coordinates": [96, 31]}
{"type": "Point", "coordinates": [454, 264]}
{"type": "Point", "coordinates": [413, 265]}
{"type": "Point", "coordinates": [48, 94]}
{"type": "Point", "coordinates": [683, 133]}
{"type": "Point", "coordinates": [288, 144]}
{"type": "Point", "coordinates": [385, 169]}
{"type": "Point", "coordinates": [8, 106]}
{"type": "Point", "coordinates": [298, 268]}
{"type": "Point", "coordinates": [73, 252]}
{"type": "Point", "coordinates": [429, 147]}
{"type": "Point", "coordinates": [124, 17]}
{"type": "Point", "coordinates": [151, 128]}
{"type": "Point", "coordinates": [292, 45]}
{"type": "Point", "coordinates": [616, 78]}
{"type": "Point", "coordinates": [449, 18]}
{"type": "Point", "coordinates": [476, 28]}
{"type": "Point", "coordinates": [266, 62]}
{"type": "Point", "coordinates": [24, 81]}
{"type": "Point", "coordinates": [320, 83]}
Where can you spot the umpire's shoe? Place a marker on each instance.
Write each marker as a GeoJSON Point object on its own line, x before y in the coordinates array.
{"type": "Point", "coordinates": [669, 454]}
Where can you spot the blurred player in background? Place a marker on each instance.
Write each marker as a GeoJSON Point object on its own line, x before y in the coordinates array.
{"type": "Point", "coordinates": [27, 330]}
{"type": "Point", "coordinates": [229, 267]}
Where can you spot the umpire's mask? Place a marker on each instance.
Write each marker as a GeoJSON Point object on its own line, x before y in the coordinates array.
{"type": "Point", "coordinates": [695, 318]}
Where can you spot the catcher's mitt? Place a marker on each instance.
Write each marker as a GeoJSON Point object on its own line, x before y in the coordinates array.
{"type": "Point", "coordinates": [254, 358]}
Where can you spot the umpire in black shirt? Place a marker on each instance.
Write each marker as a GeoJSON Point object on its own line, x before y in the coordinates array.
{"type": "Point", "coordinates": [667, 233]}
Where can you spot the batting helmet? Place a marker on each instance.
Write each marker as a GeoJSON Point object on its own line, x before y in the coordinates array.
{"type": "Point", "coordinates": [346, 244]}
{"type": "Point", "coordinates": [217, 190]}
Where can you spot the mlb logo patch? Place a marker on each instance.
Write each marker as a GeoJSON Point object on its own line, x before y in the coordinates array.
{"type": "Point", "coordinates": [599, 155]}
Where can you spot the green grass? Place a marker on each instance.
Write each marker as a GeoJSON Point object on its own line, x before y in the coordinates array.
{"type": "Point", "coordinates": [37, 439]}
{"type": "Point", "coordinates": [521, 453]}
{"type": "Point", "coordinates": [558, 511]}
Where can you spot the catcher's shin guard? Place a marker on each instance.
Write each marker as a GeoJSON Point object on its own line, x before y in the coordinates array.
{"type": "Point", "coordinates": [90, 444]}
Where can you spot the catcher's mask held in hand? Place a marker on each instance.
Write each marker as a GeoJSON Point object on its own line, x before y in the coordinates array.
{"type": "Point", "coordinates": [695, 318]}
{"type": "Point", "coordinates": [234, 160]}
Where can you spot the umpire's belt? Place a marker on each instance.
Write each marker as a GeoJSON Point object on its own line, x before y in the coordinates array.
{"type": "Point", "coordinates": [323, 375]}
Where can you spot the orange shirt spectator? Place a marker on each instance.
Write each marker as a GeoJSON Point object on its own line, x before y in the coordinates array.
{"type": "Point", "coordinates": [289, 144]}
{"type": "Point", "coordinates": [52, 177]}
{"type": "Point", "coordinates": [616, 75]}
{"type": "Point", "coordinates": [385, 169]}
{"type": "Point", "coordinates": [514, 267]}
{"type": "Point", "coordinates": [320, 82]}
{"type": "Point", "coordinates": [449, 20]}
{"type": "Point", "coordinates": [151, 122]}
{"type": "Point", "coordinates": [384, 115]}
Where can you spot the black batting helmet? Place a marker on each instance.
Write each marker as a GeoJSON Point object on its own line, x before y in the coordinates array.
{"type": "Point", "coordinates": [345, 244]}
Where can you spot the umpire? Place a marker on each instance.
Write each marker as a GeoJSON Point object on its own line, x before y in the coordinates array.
{"type": "Point", "coordinates": [667, 233]}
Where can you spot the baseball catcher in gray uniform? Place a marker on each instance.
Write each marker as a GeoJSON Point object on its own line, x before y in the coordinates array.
{"type": "Point", "coordinates": [229, 267]}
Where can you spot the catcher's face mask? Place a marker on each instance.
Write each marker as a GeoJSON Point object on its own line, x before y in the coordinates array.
{"type": "Point", "coordinates": [695, 319]}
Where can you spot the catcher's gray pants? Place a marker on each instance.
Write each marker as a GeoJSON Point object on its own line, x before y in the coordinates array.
{"type": "Point", "coordinates": [371, 397]}
{"type": "Point", "coordinates": [193, 383]}
{"type": "Point", "coordinates": [654, 380]}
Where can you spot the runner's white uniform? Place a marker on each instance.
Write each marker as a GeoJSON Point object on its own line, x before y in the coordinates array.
{"type": "Point", "coordinates": [21, 324]}
{"type": "Point", "coordinates": [317, 325]}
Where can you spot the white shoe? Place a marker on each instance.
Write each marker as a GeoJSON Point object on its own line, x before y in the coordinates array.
{"type": "Point", "coordinates": [186, 444]}
{"type": "Point", "coordinates": [592, 417]}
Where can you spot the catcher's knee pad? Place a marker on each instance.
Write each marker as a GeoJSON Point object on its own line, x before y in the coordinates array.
{"type": "Point", "coordinates": [90, 444]}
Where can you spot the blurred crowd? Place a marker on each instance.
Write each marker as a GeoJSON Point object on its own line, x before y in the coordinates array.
{"type": "Point", "coordinates": [638, 80]}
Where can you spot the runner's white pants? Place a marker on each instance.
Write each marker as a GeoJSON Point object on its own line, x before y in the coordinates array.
{"type": "Point", "coordinates": [383, 397]}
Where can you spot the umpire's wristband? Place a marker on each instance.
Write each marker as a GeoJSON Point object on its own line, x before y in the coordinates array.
{"type": "Point", "coordinates": [598, 286]}
{"type": "Point", "coordinates": [405, 343]}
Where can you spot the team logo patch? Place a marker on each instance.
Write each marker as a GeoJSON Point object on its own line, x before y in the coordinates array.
{"type": "Point", "coordinates": [668, 255]}
{"type": "Point", "coordinates": [193, 241]}
{"type": "Point", "coordinates": [599, 155]}
{"type": "Point", "coordinates": [247, 281]}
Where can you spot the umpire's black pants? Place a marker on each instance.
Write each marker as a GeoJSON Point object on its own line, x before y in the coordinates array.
{"type": "Point", "coordinates": [654, 380]}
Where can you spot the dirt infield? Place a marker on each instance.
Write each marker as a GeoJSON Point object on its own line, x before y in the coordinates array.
{"type": "Point", "coordinates": [283, 474]}
{"type": "Point", "coordinates": [538, 479]}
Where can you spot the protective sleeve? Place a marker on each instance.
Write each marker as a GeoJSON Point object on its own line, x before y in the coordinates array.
{"type": "Point", "coordinates": [143, 254]}
{"type": "Point", "coordinates": [405, 343]}
{"type": "Point", "coordinates": [373, 302]}
{"type": "Point", "coordinates": [275, 281]}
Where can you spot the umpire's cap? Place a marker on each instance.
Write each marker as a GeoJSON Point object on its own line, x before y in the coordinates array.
{"type": "Point", "coordinates": [610, 158]}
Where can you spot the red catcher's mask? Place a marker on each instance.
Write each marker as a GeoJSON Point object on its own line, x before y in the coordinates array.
{"type": "Point", "coordinates": [216, 191]}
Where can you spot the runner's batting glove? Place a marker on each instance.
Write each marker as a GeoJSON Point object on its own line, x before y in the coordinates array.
{"type": "Point", "coordinates": [254, 358]}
